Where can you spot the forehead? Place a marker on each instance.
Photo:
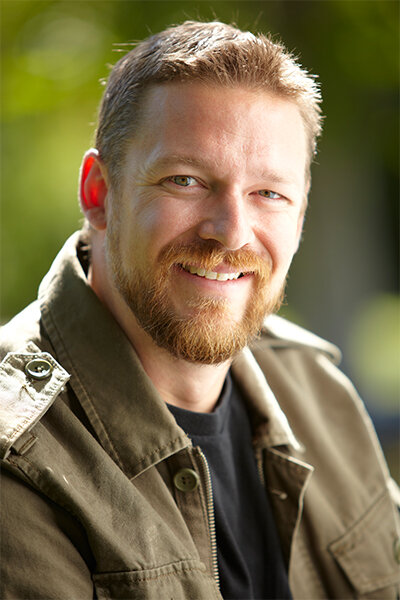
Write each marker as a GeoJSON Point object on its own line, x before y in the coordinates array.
{"type": "Point", "coordinates": [221, 122]}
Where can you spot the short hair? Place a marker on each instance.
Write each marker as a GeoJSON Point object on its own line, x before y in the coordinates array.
{"type": "Point", "coordinates": [212, 53]}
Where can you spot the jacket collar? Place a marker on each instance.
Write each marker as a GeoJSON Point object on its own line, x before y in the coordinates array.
{"type": "Point", "coordinates": [106, 374]}
{"type": "Point", "coordinates": [111, 384]}
{"type": "Point", "coordinates": [270, 424]}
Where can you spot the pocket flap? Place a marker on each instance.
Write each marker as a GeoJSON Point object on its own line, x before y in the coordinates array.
{"type": "Point", "coordinates": [366, 552]}
{"type": "Point", "coordinates": [178, 581]}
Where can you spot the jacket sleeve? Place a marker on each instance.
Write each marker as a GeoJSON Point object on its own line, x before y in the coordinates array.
{"type": "Point", "coordinates": [44, 553]}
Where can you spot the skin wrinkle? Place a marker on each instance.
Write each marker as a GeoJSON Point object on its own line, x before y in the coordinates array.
{"type": "Point", "coordinates": [149, 115]}
{"type": "Point", "coordinates": [150, 172]}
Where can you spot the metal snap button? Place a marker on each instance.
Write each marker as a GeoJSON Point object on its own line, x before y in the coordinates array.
{"type": "Point", "coordinates": [396, 550]}
{"type": "Point", "coordinates": [38, 368]}
{"type": "Point", "coordinates": [186, 480]}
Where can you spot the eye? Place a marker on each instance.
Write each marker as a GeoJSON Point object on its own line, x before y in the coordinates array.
{"type": "Point", "coordinates": [182, 180]}
{"type": "Point", "coordinates": [270, 195]}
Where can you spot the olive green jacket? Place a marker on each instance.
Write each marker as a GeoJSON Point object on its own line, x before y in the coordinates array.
{"type": "Point", "coordinates": [105, 496]}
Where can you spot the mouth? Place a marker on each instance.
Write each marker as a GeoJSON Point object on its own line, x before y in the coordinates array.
{"type": "Point", "coordinates": [213, 275]}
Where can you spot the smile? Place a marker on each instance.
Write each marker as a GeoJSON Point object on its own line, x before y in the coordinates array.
{"type": "Point", "coordinates": [210, 274]}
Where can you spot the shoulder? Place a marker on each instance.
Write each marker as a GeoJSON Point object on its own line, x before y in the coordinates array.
{"type": "Point", "coordinates": [30, 381]}
{"type": "Point", "coordinates": [278, 332]}
{"type": "Point", "coordinates": [22, 329]}
{"type": "Point", "coordinates": [30, 377]}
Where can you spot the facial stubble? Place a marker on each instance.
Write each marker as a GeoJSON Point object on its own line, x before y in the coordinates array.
{"type": "Point", "coordinates": [209, 333]}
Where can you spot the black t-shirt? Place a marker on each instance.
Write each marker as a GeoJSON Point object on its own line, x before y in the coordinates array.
{"type": "Point", "coordinates": [249, 554]}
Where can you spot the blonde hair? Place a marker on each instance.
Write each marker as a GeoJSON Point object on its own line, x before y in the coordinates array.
{"type": "Point", "coordinates": [213, 53]}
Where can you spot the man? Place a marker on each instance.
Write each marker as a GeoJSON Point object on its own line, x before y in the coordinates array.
{"type": "Point", "coordinates": [148, 452]}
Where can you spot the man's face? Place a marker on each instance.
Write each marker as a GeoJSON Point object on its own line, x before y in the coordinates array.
{"type": "Point", "coordinates": [208, 215]}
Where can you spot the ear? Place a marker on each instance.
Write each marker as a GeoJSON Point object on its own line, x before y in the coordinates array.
{"type": "Point", "coordinates": [93, 188]}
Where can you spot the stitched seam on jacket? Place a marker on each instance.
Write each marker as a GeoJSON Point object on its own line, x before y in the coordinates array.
{"type": "Point", "coordinates": [116, 456]}
{"type": "Point", "coordinates": [157, 451]}
{"type": "Point", "coordinates": [368, 584]}
{"type": "Point", "coordinates": [144, 577]}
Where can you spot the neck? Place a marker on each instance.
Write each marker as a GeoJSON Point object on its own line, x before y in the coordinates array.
{"type": "Point", "coordinates": [187, 385]}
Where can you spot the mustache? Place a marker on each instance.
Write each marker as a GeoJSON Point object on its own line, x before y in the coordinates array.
{"type": "Point", "coordinates": [210, 254]}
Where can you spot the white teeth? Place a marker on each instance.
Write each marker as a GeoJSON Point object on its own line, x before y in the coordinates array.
{"type": "Point", "coordinates": [223, 276]}
{"type": "Point", "coordinates": [210, 274]}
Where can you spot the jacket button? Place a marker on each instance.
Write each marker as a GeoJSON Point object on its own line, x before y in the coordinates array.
{"type": "Point", "coordinates": [396, 549]}
{"type": "Point", "coordinates": [186, 480]}
{"type": "Point", "coordinates": [38, 368]}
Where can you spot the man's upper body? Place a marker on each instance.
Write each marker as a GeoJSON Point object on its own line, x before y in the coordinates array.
{"type": "Point", "coordinates": [194, 199]}
{"type": "Point", "coordinates": [93, 463]}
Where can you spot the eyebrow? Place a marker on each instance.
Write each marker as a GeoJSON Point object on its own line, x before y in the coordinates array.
{"type": "Point", "coordinates": [275, 177]}
{"type": "Point", "coordinates": [173, 159]}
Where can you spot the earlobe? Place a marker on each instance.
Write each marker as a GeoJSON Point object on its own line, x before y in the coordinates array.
{"type": "Point", "coordinates": [93, 190]}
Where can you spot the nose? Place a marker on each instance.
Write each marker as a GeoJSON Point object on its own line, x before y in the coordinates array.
{"type": "Point", "coordinates": [228, 221]}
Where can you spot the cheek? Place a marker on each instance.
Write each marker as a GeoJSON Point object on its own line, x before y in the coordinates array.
{"type": "Point", "coordinates": [164, 219]}
{"type": "Point", "coordinates": [279, 237]}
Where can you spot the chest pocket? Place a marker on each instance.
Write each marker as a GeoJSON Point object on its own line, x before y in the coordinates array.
{"type": "Point", "coordinates": [175, 581]}
{"type": "Point", "coordinates": [369, 552]}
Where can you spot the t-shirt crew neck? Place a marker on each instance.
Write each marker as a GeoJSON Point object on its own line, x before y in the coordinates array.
{"type": "Point", "coordinates": [250, 559]}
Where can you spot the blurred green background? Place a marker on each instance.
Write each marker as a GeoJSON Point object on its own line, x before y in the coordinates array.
{"type": "Point", "coordinates": [344, 280]}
